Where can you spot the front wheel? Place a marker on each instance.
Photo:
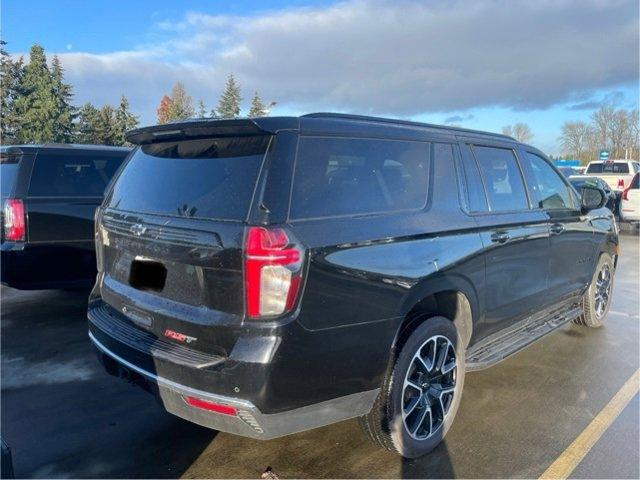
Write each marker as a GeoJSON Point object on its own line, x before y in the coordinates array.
{"type": "Point", "coordinates": [597, 299]}
{"type": "Point", "coordinates": [421, 394]}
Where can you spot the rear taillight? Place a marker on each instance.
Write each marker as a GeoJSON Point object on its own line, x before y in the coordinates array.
{"type": "Point", "coordinates": [625, 193]}
{"type": "Point", "coordinates": [620, 183]}
{"type": "Point", "coordinates": [14, 224]}
{"type": "Point", "coordinates": [273, 269]}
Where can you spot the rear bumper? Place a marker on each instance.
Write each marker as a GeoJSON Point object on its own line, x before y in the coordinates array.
{"type": "Point", "coordinates": [249, 420]}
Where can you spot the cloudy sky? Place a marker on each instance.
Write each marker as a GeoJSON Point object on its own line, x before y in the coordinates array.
{"type": "Point", "coordinates": [476, 63]}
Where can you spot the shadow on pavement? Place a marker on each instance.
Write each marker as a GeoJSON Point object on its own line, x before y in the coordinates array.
{"type": "Point", "coordinates": [436, 464]}
{"type": "Point", "coordinates": [64, 416]}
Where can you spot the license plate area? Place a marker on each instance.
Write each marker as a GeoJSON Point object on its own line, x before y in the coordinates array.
{"type": "Point", "coordinates": [147, 275]}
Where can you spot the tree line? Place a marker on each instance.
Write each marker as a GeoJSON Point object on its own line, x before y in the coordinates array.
{"type": "Point", "coordinates": [615, 130]}
{"type": "Point", "coordinates": [178, 105]}
{"type": "Point", "coordinates": [37, 106]}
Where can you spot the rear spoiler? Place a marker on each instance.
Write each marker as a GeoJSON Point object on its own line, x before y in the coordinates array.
{"type": "Point", "coordinates": [209, 127]}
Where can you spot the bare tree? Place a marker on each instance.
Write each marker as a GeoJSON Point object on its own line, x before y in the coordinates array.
{"type": "Point", "coordinates": [602, 120]}
{"type": "Point", "coordinates": [615, 130]}
{"type": "Point", "coordinates": [575, 139]}
{"type": "Point", "coordinates": [520, 131]}
{"type": "Point", "coordinates": [634, 133]}
{"type": "Point", "coordinates": [619, 133]}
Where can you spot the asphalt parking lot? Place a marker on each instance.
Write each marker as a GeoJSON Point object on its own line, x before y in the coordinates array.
{"type": "Point", "coordinates": [64, 417]}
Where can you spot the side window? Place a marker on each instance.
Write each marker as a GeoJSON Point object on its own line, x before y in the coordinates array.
{"type": "Point", "coordinates": [502, 178]}
{"type": "Point", "coordinates": [550, 190]}
{"type": "Point", "coordinates": [350, 176]}
{"type": "Point", "coordinates": [62, 174]}
{"type": "Point", "coordinates": [636, 167]}
{"type": "Point", "coordinates": [476, 198]}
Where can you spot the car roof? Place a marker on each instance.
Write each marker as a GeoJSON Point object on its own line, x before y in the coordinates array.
{"type": "Point", "coordinates": [313, 123]}
{"type": "Point", "coordinates": [585, 178]}
{"type": "Point", "coordinates": [621, 160]}
{"type": "Point", "coordinates": [30, 148]}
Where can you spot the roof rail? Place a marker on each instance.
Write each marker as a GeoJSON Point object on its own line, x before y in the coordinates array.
{"type": "Point", "coordinates": [364, 118]}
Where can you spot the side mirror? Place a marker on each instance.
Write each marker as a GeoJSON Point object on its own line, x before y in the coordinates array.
{"type": "Point", "coordinates": [592, 197]}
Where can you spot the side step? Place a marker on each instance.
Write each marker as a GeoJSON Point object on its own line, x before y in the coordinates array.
{"type": "Point", "coordinates": [499, 346]}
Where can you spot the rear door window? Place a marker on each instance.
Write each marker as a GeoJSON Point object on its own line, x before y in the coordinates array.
{"type": "Point", "coordinates": [502, 178]}
{"type": "Point", "coordinates": [475, 196]}
{"type": "Point", "coordinates": [72, 174]}
{"type": "Point", "coordinates": [206, 178]}
{"type": "Point", "coordinates": [354, 176]}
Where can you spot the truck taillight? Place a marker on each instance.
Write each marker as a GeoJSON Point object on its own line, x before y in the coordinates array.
{"type": "Point", "coordinates": [625, 193]}
{"type": "Point", "coordinates": [14, 223]}
{"type": "Point", "coordinates": [621, 183]}
{"type": "Point", "coordinates": [273, 271]}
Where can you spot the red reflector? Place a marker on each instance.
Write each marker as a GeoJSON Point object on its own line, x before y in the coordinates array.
{"type": "Point", "coordinates": [14, 224]}
{"type": "Point", "coordinates": [210, 406]}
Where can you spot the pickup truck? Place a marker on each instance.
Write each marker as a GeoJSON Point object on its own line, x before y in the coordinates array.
{"type": "Point", "coordinates": [617, 173]}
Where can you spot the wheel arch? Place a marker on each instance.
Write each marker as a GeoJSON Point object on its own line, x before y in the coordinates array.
{"type": "Point", "coordinates": [451, 296]}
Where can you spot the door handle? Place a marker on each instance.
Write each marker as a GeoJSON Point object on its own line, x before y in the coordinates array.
{"type": "Point", "coordinates": [500, 237]}
{"type": "Point", "coordinates": [557, 228]}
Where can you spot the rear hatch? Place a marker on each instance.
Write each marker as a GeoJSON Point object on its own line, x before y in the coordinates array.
{"type": "Point", "coordinates": [170, 235]}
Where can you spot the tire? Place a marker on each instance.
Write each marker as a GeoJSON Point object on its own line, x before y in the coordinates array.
{"type": "Point", "coordinates": [597, 299]}
{"type": "Point", "coordinates": [386, 425]}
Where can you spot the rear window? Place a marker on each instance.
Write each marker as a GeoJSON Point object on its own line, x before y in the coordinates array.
{"type": "Point", "coordinates": [72, 174]}
{"type": "Point", "coordinates": [206, 178]}
{"type": "Point", "coordinates": [608, 167]}
{"type": "Point", "coordinates": [349, 176]}
{"type": "Point", "coordinates": [8, 170]}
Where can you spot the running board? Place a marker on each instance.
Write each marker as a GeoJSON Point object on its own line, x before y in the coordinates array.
{"type": "Point", "coordinates": [497, 347]}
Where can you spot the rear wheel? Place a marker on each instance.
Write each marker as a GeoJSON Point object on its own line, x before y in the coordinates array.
{"type": "Point", "coordinates": [597, 298]}
{"type": "Point", "coordinates": [420, 396]}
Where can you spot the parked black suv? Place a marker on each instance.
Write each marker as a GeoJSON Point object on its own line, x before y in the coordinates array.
{"type": "Point", "coordinates": [267, 276]}
{"type": "Point", "coordinates": [49, 196]}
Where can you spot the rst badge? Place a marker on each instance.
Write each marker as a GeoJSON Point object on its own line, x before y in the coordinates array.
{"type": "Point", "coordinates": [181, 337]}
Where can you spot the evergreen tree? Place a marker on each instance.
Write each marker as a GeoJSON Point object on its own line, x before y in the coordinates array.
{"type": "Point", "coordinates": [181, 103]}
{"type": "Point", "coordinates": [10, 72]}
{"type": "Point", "coordinates": [106, 130]}
{"type": "Point", "coordinates": [164, 110]}
{"type": "Point", "coordinates": [202, 109]}
{"type": "Point", "coordinates": [229, 104]}
{"type": "Point", "coordinates": [36, 106]}
{"type": "Point", "coordinates": [65, 113]}
{"type": "Point", "coordinates": [88, 119]}
{"type": "Point", "coordinates": [124, 121]}
{"type": "Point", "coordinates": [258, 109]}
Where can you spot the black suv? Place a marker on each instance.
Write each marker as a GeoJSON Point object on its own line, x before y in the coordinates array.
{"type": "Point", "coordinates": [49, 197]}
{"type": "Point", "coordinates": [268, 276]}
